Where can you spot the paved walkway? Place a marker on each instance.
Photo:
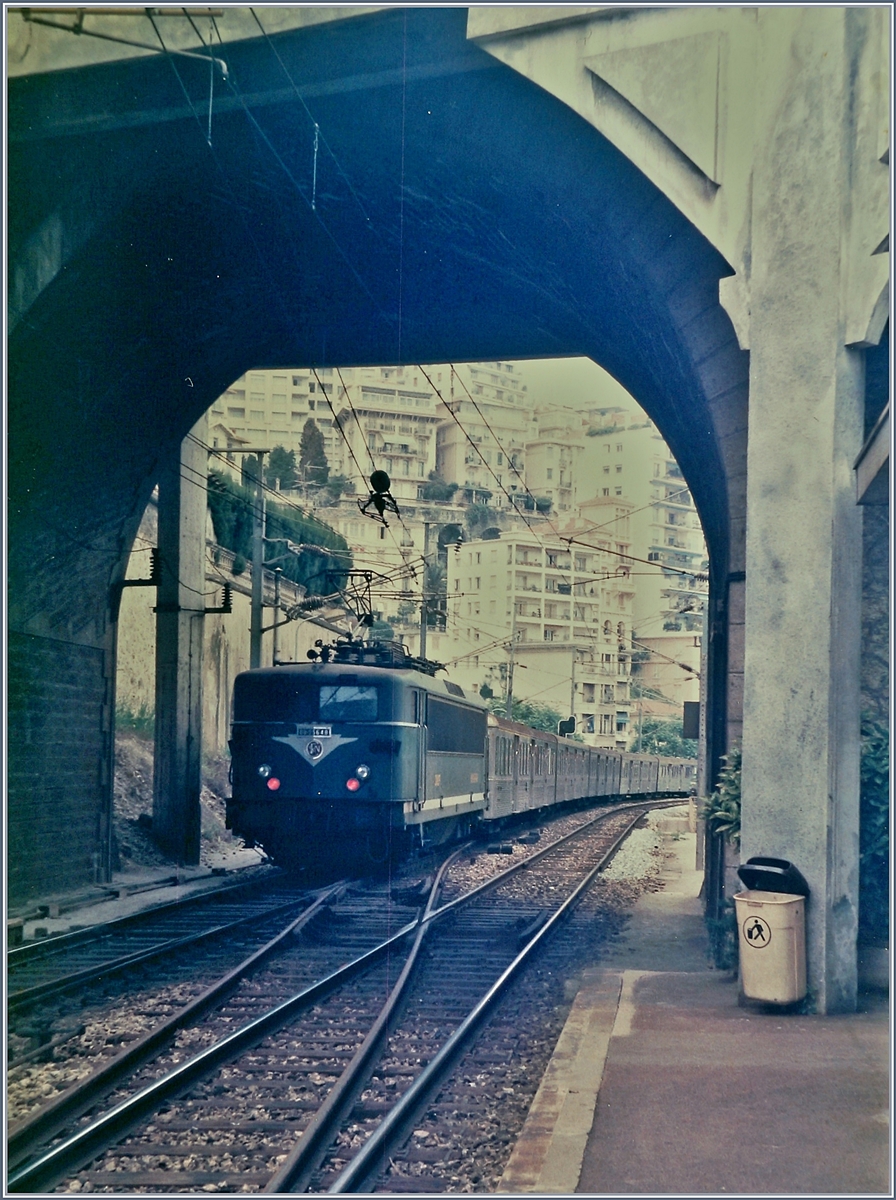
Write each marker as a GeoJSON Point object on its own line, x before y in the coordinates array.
{"type": "Point", "coordinates": [661, 1083]}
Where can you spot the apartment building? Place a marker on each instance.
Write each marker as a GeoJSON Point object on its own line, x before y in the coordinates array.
{"type": "Point", "coordinates": [486, 421]}
{"type": "Point", "coordinates": [625, 457]}
{"type": "Point", "coordinates": [553, 456]}
{"type": "Point", "coordinates": [387, 428]}
{"type": "Point", "coordinates": [555, 617]}
{"type": "Point", "coordinates": [269, 408]}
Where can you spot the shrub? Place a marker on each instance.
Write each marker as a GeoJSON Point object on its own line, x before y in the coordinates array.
{"type": "Point", "coordinates": [232, 506]}
{"type": "Point", "coordinates": [721, 810]}
{"type": "Point", "coordinates": [536, 716]}
{"type": "Point", "coordinates": [141, 721]}
{"type": "Point", "coordinates": [662, 737]}
{"type": "Point", "coordinates": [874, 839]}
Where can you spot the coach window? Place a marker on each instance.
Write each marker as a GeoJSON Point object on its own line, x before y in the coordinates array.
{"type": "Point", "coordinates": [524, 758]}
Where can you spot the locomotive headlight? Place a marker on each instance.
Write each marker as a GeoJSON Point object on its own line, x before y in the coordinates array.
{"type": "Point", "coordinates": [363, 772]}
{"type": "Point", "coordinates": [352, 784]}
{"type": "Point", "coordinates": [264, 771]}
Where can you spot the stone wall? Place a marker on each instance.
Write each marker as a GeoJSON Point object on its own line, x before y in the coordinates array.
{"type": "Point", "coordinates": [56, 691]}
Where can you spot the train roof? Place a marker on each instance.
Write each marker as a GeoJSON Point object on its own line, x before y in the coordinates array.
{"type": "Point", "coordinates": [335, 671]}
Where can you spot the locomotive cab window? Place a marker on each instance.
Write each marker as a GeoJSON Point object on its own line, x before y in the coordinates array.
{"type": "Point", "coordinates": [279, 698]}
{"type": "Point", "coordinates": [348, 703]}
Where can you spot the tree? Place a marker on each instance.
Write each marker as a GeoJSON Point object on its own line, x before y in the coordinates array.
{"type": "Point", "coordinates": [437, 489]}
{"type": "Point", "coordinates": [435, 587]}
{"type": "Point", "coordinates": [663, 737]}
{"type": "Point", "coordinates": [280, 472]}
{"type": "Point", "coordinates": [249, 470]}
{"type": "Point", "coordinates": [313, 465]}
{"type": "Point", "coordinates": [335, 486]}
{"type": "Point", "coordinates": [536, 716]}
{"type": "Point", "coordinates": [477, 517]}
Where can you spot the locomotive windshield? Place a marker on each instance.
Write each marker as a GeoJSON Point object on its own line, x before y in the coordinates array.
{"type": "Point", "coordinates": [347, 704]}
{"type": "Point", "coordinates": [293, 698]}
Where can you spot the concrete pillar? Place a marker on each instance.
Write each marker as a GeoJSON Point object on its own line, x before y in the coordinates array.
{"type": "Point", "coordinates": [179, 648]}
{"type": "Point", "coordinates": [804, 531]}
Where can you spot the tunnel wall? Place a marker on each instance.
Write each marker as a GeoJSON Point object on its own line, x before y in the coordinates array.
{"type": "Point", "coordinates": [59, 791]}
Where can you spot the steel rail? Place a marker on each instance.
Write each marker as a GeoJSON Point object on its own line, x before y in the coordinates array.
{"type": "Point", "coordinates": [526, 862]}
{"type": "Point", "coordinates": [39, 991]}
{"type": "Point", "coordinates": [356, 1175]}
{"type": "Point", "coordinates": [85, 1093]}
{"type": "Point", "coordinates": [294, 1174]}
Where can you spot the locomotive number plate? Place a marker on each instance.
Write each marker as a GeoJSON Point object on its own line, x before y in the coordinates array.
{"type": "Point", "coordinates": [314, 731]}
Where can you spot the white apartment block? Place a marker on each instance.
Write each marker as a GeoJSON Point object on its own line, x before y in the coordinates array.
{"type": "Point", "coordinates": [553, 457]}
{"type": "Point", "coordinates": [264, 409]}
{"type": "Point", "coordinates": [625, 457]}
{"type": "Point", "coordinates": [560, 614]}
{"type": "Point", "coordinates": [386, 428]}
{"type": "Point", "coordinates": [486, 421]}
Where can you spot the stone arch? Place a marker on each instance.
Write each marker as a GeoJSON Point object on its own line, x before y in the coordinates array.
{"type": "Point", "coordinates": [484, 220]}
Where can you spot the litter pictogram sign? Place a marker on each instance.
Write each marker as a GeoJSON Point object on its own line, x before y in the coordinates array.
{"type": "Point", "coordinates": [757, 932]}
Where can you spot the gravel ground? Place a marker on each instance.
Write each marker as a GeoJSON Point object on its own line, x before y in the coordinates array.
{"type": "Point", "coordinates": [640, 856]}
{"type": "Point", "coordinates": [134, 847]}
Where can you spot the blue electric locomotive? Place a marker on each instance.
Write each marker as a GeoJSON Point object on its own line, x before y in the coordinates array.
{"type": "Point", "coordinates": [341, 761]}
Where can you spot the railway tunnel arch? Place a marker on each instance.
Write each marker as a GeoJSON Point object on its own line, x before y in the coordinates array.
{"type": "Point", "coordinates": [463, 214]}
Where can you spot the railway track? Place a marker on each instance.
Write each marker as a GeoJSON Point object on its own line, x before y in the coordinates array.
{"type": "Point", "coordinates": [254, 1097]}
{"type": "Point", "coordinates": [45, 968]}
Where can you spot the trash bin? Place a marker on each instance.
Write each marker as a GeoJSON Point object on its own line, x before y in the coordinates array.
{"type": "Point", "coordinates": [771, 924]}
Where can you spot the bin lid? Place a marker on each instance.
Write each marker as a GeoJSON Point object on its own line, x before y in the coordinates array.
{"type": "Point", "coordinates": [760, 874]}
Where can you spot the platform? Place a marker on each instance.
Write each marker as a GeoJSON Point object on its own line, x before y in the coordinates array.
{"type": "Point", "coordinates": [662, 1083]}
{"type": "Point", "coordinates": [131, 891]}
